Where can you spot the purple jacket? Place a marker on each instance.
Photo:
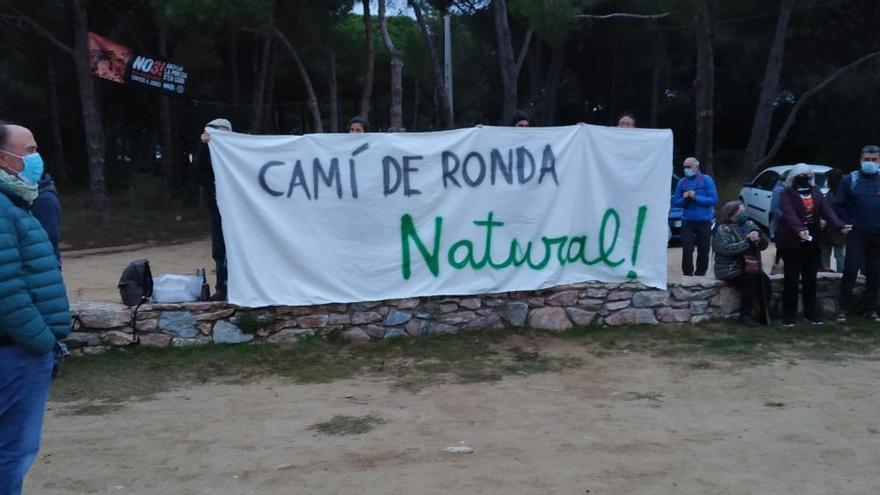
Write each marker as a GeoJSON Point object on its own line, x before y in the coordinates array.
{"type": "Point", "coordinates": [794, 217]}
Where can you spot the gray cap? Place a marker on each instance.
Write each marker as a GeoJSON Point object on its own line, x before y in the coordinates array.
{"type": "Point", "coordinates": [220, 123]}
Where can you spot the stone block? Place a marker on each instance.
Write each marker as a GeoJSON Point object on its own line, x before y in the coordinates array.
{"type": "Point", "coordinates": [116, 338]}
{"type": "Point", "coordinates": [699, 307]}
{"type": "Point", "coordinates": [515, 313]}
{"type": "Point", "coordinates": [670, 315]}
{"type": "Point", "coordinates": [481, 323]}
{"type": "Point", "coordinates": [227, 333]}
{"type": "Point", "coordinates": [82, 339]}
{"type": "Point", "coordinates": [312, 321]}
{"type": "Point", "coordinates": [458, 318]}
{"type": "Point", "coordinates": [356, 334]}
{"type": "Point", "coordinates": [595, 293]}
{"type": "Point", "coordinates": [727, 300]}
{"type": "Point", "coordinates": [178, 342]}
{"type": "Point", "coordinates": [536, 302]}
{"type": "Point", "coordinates": [565, 298]}
{"type": "Point", "coordinates": [550, 318]}
{"type": "Point", "coordinates": [154, 340]}
{"type": "Point", "coordinates": [649, 299]}
{"type": "Point", "coordinates": [631, 316]}
{"type": "Point", "coordinates": [392, 333]}
{"type": "Point", "coordinates": [179, 324]}
{"type": "Point", "coordinates": [101, 316]}
{"type": "Point", "coordinates": [591, 304]}
{"type": "Point", "coordinates": [471, 303]}
{"type": "Point", "coordinates": [289, 336]}
{"type": "Point", "coordinates": [342, 319]}
{"type": "Point", "coordinates": [215, 315]}
{"type": "Point", "coordinates": [620, 295]}
{"type": "Point", "coordinates": [397, 317]}
{"type": "Point", "coordinates": [363, 317]}
{"type": "Point", "coordinates": [580, 317]}
{"type": "Point", "coordinates": [617, 305]}
{"type": "Point", "coordinates": [409, 303]}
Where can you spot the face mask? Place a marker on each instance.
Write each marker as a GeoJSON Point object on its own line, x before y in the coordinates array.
{"type": "Point", "coordinates": [870, 167]}
{"type": "Point", "coordinates": [33, 167]}
{"type": "Point", "coordinates": [742, 218]}
{"type": "Point", "coordinates": [802, 181]}
{"type": "Point", "coordinates": [689, 172]}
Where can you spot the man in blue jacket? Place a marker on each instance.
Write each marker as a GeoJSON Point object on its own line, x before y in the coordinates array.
{"type": "Point", "coordinates": [858, 203]}
{"type": "Point", "coordinates": [697, 196]}
{"type": "Point", "coordinates": [34, 313]}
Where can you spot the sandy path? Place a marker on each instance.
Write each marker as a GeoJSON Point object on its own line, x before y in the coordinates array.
{"type": "Point", "coordinates": [619, 425]}
{"type": "Point", "coordinates": [94, 277]}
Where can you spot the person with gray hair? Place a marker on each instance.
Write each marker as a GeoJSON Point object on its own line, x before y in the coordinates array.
{"type": "Point", "coordinates": [696, 195]}
{"type": "Point", "coordinates": [803, 206]}
{"type": "Point", "coordinates": [737, 238]}
{"type": "Point", "coordinates": [206, 170]}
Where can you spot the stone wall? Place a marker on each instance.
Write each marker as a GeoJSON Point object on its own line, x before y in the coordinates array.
{"type": "Point", "coordinates": [99, 326]}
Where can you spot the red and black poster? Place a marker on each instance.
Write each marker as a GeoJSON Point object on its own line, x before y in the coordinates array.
{"type": "Point", "coordinates": [118, 63]}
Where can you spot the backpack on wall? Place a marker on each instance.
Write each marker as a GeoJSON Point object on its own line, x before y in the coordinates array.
{"type": "Point", "coordinates": [136, 283]}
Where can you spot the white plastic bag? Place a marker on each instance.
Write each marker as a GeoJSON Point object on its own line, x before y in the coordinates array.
{"type": "Point", "coordinates": [171, 288]}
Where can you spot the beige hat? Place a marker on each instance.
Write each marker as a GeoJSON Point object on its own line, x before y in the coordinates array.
{"type": "Point", "coordinates": [220, 124]}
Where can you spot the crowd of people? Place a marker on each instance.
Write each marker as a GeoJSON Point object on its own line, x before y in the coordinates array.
{"type": "Point", "coordinates": [806, 226]}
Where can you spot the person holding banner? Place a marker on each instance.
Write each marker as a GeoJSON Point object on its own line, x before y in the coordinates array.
{"type": "Point", "coordinates": [626, 120]}
{"type": "Point", "coordinates": [218, 245]}
{"type": "Point", "coordinates": [697, 196]}
{"type": "Point", "coordinates": [738, 243]}
{"type": "Point", "coordinates": [358, 125]}
{"type": "Point", "coordinates": [519, 119]}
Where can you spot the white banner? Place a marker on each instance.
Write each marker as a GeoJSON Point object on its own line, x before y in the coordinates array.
{"type": "Point", "coordinates": [334, 218]}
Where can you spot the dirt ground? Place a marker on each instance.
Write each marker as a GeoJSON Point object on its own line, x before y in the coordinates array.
{"type": "Point", "coordinates": [622, 423]}
{"type": "Point", "coordinates": [91, 276]}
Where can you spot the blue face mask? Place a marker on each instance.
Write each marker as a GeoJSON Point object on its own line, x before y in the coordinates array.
{"type": "Point", "coordinates": [870, 167]}
{"type": "Point", "coordinates": [33, 167]}
{"type": "Point", "coordinates": [689, 172]}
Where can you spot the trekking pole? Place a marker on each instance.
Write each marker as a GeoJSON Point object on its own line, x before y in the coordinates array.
{"type": "Point", "coordinates": [765, 299]}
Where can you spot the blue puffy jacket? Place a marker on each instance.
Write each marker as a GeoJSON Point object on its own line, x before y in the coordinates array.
{"type": "Point", "coordinates": [34, 311]}
{"type": "Point", "coordinates": [702, 207]}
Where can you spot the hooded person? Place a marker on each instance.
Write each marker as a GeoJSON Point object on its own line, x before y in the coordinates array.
{"type": "Point", "coordinates": [47, 209]}
{"type": "Point", "coordinates": [803, 206]}
{"type": "Point", "coordinates": [206, 170]}
{"type": "Point", "coordinates": [519, 119]}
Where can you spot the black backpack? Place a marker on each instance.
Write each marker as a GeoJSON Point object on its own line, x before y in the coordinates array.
{"type": "Point", "coordinates": [136, 283]}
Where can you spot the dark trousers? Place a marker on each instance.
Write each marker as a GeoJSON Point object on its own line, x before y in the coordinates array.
{"type": "Point", "coordinates": [801, 266]}
{"type": "Point", "coordinates": [862, 253]}
{"type": "Point", "coordinates": [218, 249]}
{"type": "Point", "coordinates": [695, 234]}
{"type": "Point", "coordinates": [750, 288]}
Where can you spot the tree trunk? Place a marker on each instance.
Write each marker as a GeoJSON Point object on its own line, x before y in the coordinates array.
{"type": "Point", "coordinates": [760, 134]}
{"type": "Point", "coordinates": [232, 60]}
{"type": "Point", "coordinates": [165, 121]}
{"type": "Point", "coordinates": [270, 123]}
{"type": "Point", "coordinates": [367, 91]}
{"type": "Point", "coordinates": [505, 60]}
{"type": "Point", "coordinates": [333, 92]}
{"type": "Point", "coordinates": [260, 83]}
{"type": "Point", "coordinates": [440, 93]}
{"type": "Point", "coordinates": [704, 86]}
{"type": "Point", "coordinates": [94, 128]}
{"type": "Point", "coordinates": [59, 163]}
{"type": "Point", "coordinates": [790, 120]}
{"type": "Point", "coordinates": [658, 79]}
{"type": "Point", "coordinates": [312, 98]}
{"type": "Point", "coordinates": [537, 82]}
{"type": "Point", "coordinates": [396, 110]}
{"type": "Point", "coordinates": [554, 79]}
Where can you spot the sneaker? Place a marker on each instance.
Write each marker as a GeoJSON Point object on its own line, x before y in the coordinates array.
{"type": "Point", "coordinates": [748, 321]}
{"type": "Point", "coordinates": [814, 321]}
{"type": "Point", "coordinates": [787, 323]}
{"type": "Point", "coordinates": [840, 319]}
{"type": "Point", "coordinates": [872, 315]}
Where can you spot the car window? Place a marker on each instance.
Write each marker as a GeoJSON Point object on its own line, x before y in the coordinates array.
{"type": "Point", "coordinates": [819, 177]}
{"type": "Point", "coordinates": [767, 180]}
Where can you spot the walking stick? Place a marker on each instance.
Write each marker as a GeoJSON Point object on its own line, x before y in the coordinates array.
{"type": "Point", "coordinates": [765, 299]}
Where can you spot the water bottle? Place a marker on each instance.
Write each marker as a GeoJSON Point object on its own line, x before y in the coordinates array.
{"type": "Point", "coordinates": [206, 289]}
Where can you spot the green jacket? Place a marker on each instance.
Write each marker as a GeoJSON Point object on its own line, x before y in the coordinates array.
{"type": "Point", "coordinates": [730, 246]}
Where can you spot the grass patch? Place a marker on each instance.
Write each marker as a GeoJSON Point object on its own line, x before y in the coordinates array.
{"type": "Point", "coordinates": [348, 425]}
{"type": "Point", "coordinates": [137, 215]}
{"type": "Point", "coordinates": [414, 364]}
